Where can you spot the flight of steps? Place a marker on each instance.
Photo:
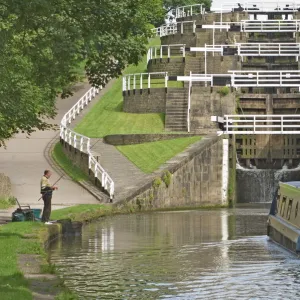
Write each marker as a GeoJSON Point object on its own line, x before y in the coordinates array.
{"type": "Point", "coordinates": [176, 109]}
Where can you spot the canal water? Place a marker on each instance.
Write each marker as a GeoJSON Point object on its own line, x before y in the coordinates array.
{"type": "Point", "coordinates": [218, 254]}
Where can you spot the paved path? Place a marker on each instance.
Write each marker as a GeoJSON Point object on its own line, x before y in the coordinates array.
{"type": "Point", "coordinates": [24, 162]}
{"type": "Point", "coordinates": [124, 173]}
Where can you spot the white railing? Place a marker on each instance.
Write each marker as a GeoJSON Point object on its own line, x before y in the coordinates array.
{"type": "Point", "coordinates": [165, 30]}
{"type": "Point", "coordinates": [173, 28]}
{"type": "Point", "coordinates": [167, 51]}
{"type": "Point", "coordinates": [268, 49]}
{"type": "Point", "coordinates": [256, 26]}
{"type": "Point", "coordinates": [188, 10]}
{"type": "Point", "coordinates": [287, 78]}
{"type": "Point", "coordinates": [82, 142]}
{"type": "Point", "coordinates": [270, 26]}
{"type": "Point", "coordinates": [259, 124]}
{"type": "Point", "coordinates": [145, 81]}
{"type": "Point", "coordinates": [258, 6]}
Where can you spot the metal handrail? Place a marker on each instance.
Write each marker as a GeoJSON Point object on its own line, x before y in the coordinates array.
{"type": "Point", "coordinates": [83, 143]}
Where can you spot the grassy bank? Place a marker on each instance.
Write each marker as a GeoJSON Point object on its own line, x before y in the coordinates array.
{"type": "Point", "coordinates": [107, 116]}
{"type": "Point", "coordinates": [67, 165]}
{"type": "Point", "coordinates": [149, 156]}
{"type": "Point", "coordinates": [83, 212]}
{"type": "Point", "coordinates": [28, 238]}
{"type": "Point", "coordinates": [17, 239]}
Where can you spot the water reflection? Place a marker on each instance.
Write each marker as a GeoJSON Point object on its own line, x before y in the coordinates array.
{"type": "Point", "coordinates": [178, 255]}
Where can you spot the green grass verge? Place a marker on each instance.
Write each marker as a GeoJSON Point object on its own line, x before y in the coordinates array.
{"type": "Point", "coordinates": [107, 116]}
{"type": "Point", "coordinates": [149, 156]}
{"type": "Point", "coordinates": [64, 162]}
{"type": "Point", "coordinates": [82, 213]}
{"type": "Point", "coordinates": [14, 241]}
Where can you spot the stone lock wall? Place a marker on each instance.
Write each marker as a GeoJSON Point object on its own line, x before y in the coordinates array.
{"type": "Point", "coordinates": [144, 101]}
{"type": "Point", "coordinates": [196, 180]}
{"type": "Point", "coordinates": [207, 102]}
{"type": "Point", "coordinates": [5, 186]}
{"type": "Point", "coordinates": [174, 66]}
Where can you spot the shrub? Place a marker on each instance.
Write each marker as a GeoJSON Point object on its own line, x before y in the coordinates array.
{"type": "Point", "coordinates": [156, 182]}
{"type": "Point", "coordinates": [167, 178]}
{"type": "Point", "coordinates": [224, 91]}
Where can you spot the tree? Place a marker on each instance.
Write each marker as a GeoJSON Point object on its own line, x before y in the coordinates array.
{"type": "Point", "coordinates": [44, 41]}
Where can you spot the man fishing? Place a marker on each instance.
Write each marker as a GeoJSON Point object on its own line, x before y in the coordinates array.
{"type": "Point", "coordinates": [46, 191]}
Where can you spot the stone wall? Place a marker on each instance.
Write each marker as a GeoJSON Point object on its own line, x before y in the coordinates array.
{"type": "Point", "coordinates": [207, 102]}
{"type": "Point", "coordinates": [81, 160]}
{"type": "Point", "coordinates": [221, 64]}
{"type": "Point", "coordinates": [189, 39]}
{"type": "Point", "coordinates": [5, 186]}
{"type": "Point", "coordinates": [196, 180]}
{"type": "Point", "coordinates": [131, 139]}
{"type": "Point", "coordinates": [174, 66]}
{"type": "Point", "coordinates": [144, 101]}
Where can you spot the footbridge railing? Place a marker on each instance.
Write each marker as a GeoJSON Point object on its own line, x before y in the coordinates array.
{"type": "Point", "coordinates": [258, 124]}
{"type": "Point", "coordinates": [241, 26]}
{"type": "Point", "coordinates": [83, 143]}
{"type": "Point", "coordinates": [240, 49]}
{"type": "Point", "coordinates": [287, 78]}
{"type": "Point", "coordinates": [259, 7]}
{"type": "Point", "coordinates": [235, 79]}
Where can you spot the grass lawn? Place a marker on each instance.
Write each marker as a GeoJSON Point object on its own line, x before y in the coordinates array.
{"type": "Point", "coordinates": [83, 212]}
{"type": "Point", "coordinates": [107, 116]}
{"type": "Point", "coordinates": [13, 241]}
{"type": "Point", "coordinates": [149, 156]}
{"type": "Point", "coordinates": [64, 162]}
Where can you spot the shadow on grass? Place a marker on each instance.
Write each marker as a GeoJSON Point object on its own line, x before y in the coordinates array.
{"type": "Point", "coordinates": [14, 287]}
{"type": "Point", "coordinates": [10, 234]}
{"type": "Point", "coordinates": [118, 108]}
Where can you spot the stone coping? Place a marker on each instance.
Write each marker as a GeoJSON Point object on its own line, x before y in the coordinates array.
{"type": "Point", "coordinates": [131, 139]}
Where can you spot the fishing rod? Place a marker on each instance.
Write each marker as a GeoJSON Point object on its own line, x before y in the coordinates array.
{"type": "Point", "coordinates": [52, 186]}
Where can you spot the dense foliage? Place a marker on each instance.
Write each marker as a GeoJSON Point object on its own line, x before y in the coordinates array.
{"type": "Point", "coordinates": [43, 42]}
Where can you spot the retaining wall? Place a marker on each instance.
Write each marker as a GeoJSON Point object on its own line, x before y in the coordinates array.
{"type": "Point", "coordinates": [145, 101]}
{"type": "Point", "coordinates": [196, 180]}
{"type": "Point", "coordinates": [130, 139]}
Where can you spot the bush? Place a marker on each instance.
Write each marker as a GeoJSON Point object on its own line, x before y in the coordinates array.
{"type": "Point", "coordinates": [224, 91]}
{"type": "Point", "coordinates": [156, 182]}
{"type": "Point", "coordinates": [167, 178]}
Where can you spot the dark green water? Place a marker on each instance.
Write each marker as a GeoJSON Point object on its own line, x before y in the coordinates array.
{"type": "Point", "coordinates": [223, 254]}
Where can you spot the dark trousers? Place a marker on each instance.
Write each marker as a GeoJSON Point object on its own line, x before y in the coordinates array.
{"type": "Point", "coordinates": [47, 207]}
